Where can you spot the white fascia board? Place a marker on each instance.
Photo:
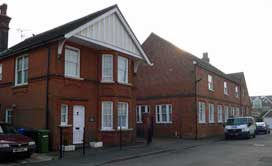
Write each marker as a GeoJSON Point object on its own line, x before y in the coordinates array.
{"type": "Point", "coordinates": [114, 10]}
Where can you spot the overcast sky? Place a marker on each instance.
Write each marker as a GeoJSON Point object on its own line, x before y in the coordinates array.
{"type": "Point", "coordinates": [237, 34]}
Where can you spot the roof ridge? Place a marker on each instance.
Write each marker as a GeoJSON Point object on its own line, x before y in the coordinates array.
{"type": "Point", "coordinates": [202, 63]}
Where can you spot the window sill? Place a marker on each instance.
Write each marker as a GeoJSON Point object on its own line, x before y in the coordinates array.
{"type": "Point", "coordinates": [20, 86]}
{"type": "Point", "coordinates": [201, 122]}
{"type": "Point", "coordinates": [65, 125]}
{"type": "Point", "coordinates": [163, 122]}
{"type": "Point", "coordinates": [123, 83]}
{"type": "Point", "coordinates": [139, 122]}
{"type": "Point", "coordinates": [107, 130]}
{"type": "Point", "coordinates": [107, 82]}
{"type": "Point", "coordinates": [125, 129]}
{"type": "Point", "coordinates": [211, 90]}
{"type": "Point", "coordinates": [75, 78]}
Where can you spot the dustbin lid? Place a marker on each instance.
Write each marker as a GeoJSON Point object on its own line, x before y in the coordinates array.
{"type": "Point", "coordinates": [43, 131]}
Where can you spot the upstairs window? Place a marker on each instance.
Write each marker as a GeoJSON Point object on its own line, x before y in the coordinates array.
{"type": "Point", "coordinates": [210, 82]}
{"type": "Point", "coordinates": [236, 91]}
{"type": "Point", "coordinates": [21, 75]}
{"type": "Point", "coordinates": [107, 68]}
{"type": "Point", "coordinates": [72, 62]}
{"type": "Point", "coordinates": [140, 110]}
{"type": "Point", "coordinates": [226, 88]}
{"type": "Point", "coordinates": [122, 70]}
{"type": "Point", "coordinates": [164, 113]}
{"type": "Point", "coordinates": [201, 112]}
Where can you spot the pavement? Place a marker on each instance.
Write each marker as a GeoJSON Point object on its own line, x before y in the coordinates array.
{"type": "Point", "coordinates": [104, 156]}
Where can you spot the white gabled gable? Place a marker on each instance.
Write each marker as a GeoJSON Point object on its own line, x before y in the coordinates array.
{"type": "Point", "coordinates": [112, 31]}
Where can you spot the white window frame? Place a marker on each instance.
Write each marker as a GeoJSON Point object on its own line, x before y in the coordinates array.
{"type": "Point", "coordinates": [219, 114]}
{"type": "Point", "coordinates": [126, 113]}
{"type": "Point", "coordinates": [201, 112]}
{"type": "Point", "coordinates": [236, 91]}
{"type": "Point", "coordinates": [123, 70]}
{"type": "Point", "coordinates": [103, 127]}
{"type": "Point", "coordinates": [1, 71]}
{"type": "Point", "coordinates": [23, 70]}
{"type": "Point", "coordinates": [226, 88]}
{"type": "Point", "coordinates": [105, 77]}
{"type": "Point", "coordinates": [78, 63]}
{"type": "Point", "coordinates": [237, 111]}
{"type": "Point", "coordinates": [232, 111]}
{"type": "Point", "coordinates": [169, 113]}
{"type": "Point", "coordinates": [226, 113]}
{"type": "Point", "coordinates": [139, 112]}
{"type": "Point", "coordinates": [210, 82]}
{"type": "Point", "coordinates": [211, 113]}
{"type": "Point", "coordinates": [8, 115]}
{"type": "Point", "coordinates": [64, 110]}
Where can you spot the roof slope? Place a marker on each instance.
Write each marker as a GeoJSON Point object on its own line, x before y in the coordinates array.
{"type": "Point", "coordinates": [238, 76]}
{"type": "Point", "coordinates": [169, 47]}
{"type": "Point", "coordinates": [53, 34]}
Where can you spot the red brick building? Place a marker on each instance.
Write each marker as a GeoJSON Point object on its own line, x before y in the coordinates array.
{"type": "Point", "coordinates": [187, 96]}
{"type": "Point", "coordinates": [78, 75]}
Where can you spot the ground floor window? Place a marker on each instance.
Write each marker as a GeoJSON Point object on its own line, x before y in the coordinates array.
{"type": "Point", "coordinates": [237, 111]}
{"type": "Point", "coordinates": [122, 115]}
{"type": "Point", "coordinates": [8, 117]}
{"type": "Point", "coordinates": [107, 115]}
{"type": "Point", "coordinates": [219, 114]}
{"type": "Point", "coordinates": [201, 112]}
{"type": "Point", "coordinates": [226, 110]}
{"type": "Point", "coordinates": [211, 113]}
{"type": "Point", "coordinates": [164, 113]}
{"type": "Point", "coordinates": [64, 114]}
{"type": "Point", "coordinates": [140, 110]}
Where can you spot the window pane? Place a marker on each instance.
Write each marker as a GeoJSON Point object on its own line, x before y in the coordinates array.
{"type": "Point", "coordinates": [122, 69]}
{"type": "Point", "coordinates": [107, 115]}
{"type": "Point", "coordinates": [19, 77]}
{"type": "Point", "coordinates": [107, 67]}
{"type": "Point", "coordinates": [72, 59]}
{"type": "Point", "coordinates": [122, 115]}
{"type": "Point", "coordinates": [25, 76]}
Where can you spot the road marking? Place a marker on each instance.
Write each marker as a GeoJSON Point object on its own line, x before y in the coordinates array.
{"type": "Point", "coordinates": [258, 145]}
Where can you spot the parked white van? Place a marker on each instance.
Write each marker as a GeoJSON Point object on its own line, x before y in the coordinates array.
{"type": "Point", "coordinates": [244, 127]}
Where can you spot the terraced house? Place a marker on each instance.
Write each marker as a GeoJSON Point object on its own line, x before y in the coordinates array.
{"type": "Point", "coordinates": [186, 96]}
{"type": "Point", "coordinates": [79, 75]}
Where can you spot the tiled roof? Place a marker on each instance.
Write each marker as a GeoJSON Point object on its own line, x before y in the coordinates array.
{"type": "Point", "coordinates": [169, 47]}
{"type": "Point", "coordinates": [53, 34]}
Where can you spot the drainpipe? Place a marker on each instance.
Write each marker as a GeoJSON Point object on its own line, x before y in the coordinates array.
{"type": "Point", "coordinates": [47, 88]}
{"type": "Point", "coordinates": [195, 84]}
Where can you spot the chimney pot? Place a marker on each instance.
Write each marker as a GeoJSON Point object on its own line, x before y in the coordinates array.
{"type": "Point", "coordinates": [3, 9]}
{"type": "Point", "coordinates": [206, 57]}
{"type": "Point", "coordinates": [4, 27]}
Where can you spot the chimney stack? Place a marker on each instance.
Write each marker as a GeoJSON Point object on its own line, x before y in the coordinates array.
{"type": "Point", "coordinates": [4, 27]}
{"type": "Point", "coordinates": [206, 57]}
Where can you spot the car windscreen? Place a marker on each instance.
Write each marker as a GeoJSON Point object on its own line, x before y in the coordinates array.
{"type": "Point", "coordinates": [259, 120]}
{"type": "Point", "coordinates": [7, 129]}
{"type": "Point", "coordinates": [237, 121]}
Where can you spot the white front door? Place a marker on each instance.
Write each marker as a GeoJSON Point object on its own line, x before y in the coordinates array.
{"type": "Point", "coordinates": [78, 124]}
